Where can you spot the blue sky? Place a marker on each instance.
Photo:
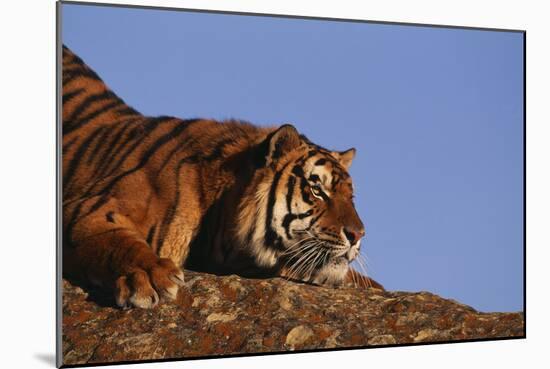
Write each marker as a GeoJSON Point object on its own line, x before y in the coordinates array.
{"type": "Point", "coordinates": [436, 115]}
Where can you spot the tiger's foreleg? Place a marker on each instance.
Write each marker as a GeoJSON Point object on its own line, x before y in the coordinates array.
{"type": "Point", "coordinates": [106, 249]}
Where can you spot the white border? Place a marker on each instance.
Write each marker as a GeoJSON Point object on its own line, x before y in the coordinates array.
{"type": "Point", "coordinates": [27, 145]}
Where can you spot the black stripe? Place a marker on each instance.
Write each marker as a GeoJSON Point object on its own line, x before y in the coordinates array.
{"type": "Point", "coordinates": [314, 178]}
{"type": "Point", "coordinates": [136, 132]}
{"type": "Point", "coordinates": [69, 144]}
{"type": "Point", "coordinates": [271, 238]}
{"type": "Point", "coordinates": [321, 161]}
{"type": "Point", "coordinates": [67, 97]}
{"type": "Point", "coordinates": [164, 139]}
{"type": "Point", "coordinates": [171, 212]}
{"type": "Point", "coordinates": [298, 171]}
{"type": "Point", "coordinates": [316, 147]}
{"type": "Point", "coordinates": [290, 192]}
{"type": "Point", "coordinates": [84, 104]}
{"type": "Point", "coordinates": [71, 75]}
{"type": "Point", "coordinates": [135, 139]}
{"type": "Point", "coordinates": [151, 235]}
{"type": "Point", "coordinates": [335, 179]}
{"type": "Point", "coordinates": [306, 197]}
{"type": "Point", "coordinates": [70, 59]}
{"type": "Point", "coordinates": [70, 67]}
{"type": "Point", "coordinates": [214, 154]}
{"type": "Point", "coordinates": [270, 235]}
{"type": "Point", "coordinates": [127, 110]}
{"type": "Point", "coordinates": [98, 146]}
{"type": "Point", "coordinates": [74, 58]}
{"type": "Point", "coordinates": [112, 145]}
{"type": "Point", "coordinates": [309, 154]}
{"type": "Point", "coordinates": [72, 221]}
{"type": "Point", "coordinates": [314, 220]}
{"type": "Point", "coordinates": [289, 218]}
{"type": "Point", "coordinates": [73, 125]}
{"type": "Point", "coordinates": [218, 151]}
{"type": "Point", "coordinates": [172, 152]}
{"type": "Point", "coordinates": [71, 168]}
{"type": "Point", "coordinates": [99, 111]}
{"type": "Point", "coordinates": [201, 157]}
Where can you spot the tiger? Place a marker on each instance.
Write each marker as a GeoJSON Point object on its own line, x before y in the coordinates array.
{"type": "Point", "coordinates": [144, 198]}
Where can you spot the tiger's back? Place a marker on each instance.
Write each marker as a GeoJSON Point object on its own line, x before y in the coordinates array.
{"type": "Point", "coordinates": [109, 148]}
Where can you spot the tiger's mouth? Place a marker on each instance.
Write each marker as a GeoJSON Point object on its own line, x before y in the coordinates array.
{"type": "Point", "coordinates": [336, 247]}
{"type": "Point", "coordinates": [341, 249]}
{"type": "Point", "coordinates": [314, 255]}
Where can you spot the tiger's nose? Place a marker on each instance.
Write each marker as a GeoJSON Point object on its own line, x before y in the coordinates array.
{"type": "Point", "coordinates": [354, 235]}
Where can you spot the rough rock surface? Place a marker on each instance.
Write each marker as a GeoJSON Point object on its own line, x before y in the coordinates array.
{"type": "Point", "coordinates": [231, 315]}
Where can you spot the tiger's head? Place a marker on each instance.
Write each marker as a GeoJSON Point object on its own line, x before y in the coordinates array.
{"type": "Point", "coordinates": [304, 220]}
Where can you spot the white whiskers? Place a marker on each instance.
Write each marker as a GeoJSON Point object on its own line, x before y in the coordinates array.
{"type": "Point", "coordinates": [360, 260]}
{"type": "Point", "coordinates": [304, 256]}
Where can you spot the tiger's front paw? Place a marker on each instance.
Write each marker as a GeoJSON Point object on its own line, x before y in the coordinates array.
{"type": "Point", "coordinates": [142, 288]}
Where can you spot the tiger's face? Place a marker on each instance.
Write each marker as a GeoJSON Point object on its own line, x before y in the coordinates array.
{"type": "Point", "coordinates": [310, 219]}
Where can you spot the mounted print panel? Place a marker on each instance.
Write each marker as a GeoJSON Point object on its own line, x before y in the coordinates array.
{"type": "Point", "coordinates": [243, 184]}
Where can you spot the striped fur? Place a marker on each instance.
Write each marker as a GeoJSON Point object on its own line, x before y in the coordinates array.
{"type": "Point", "coordinates": [144, 196]}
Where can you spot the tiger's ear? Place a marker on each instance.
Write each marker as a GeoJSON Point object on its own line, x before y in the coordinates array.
{"type": "Point", "coordinates": [285, 139]}
{"type": "Point", "coordinates": [345, 157]}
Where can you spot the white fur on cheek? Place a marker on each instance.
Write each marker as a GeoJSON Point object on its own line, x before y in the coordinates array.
{"type": "Point", "coordinates": [333, 273]}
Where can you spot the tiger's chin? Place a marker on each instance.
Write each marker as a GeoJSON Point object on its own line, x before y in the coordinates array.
{"type": "Point", "coordinates": [333, 273]}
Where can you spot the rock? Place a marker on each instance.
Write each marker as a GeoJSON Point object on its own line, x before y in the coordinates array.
{"type": "Point", "coordinates": [217, 317]}
{"type": "Point", "coordinates": [228, 315]}
{"type": "Point", "coordinates": [383, 339]}
{"type": "Point", "coordinates": [298, 336]}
